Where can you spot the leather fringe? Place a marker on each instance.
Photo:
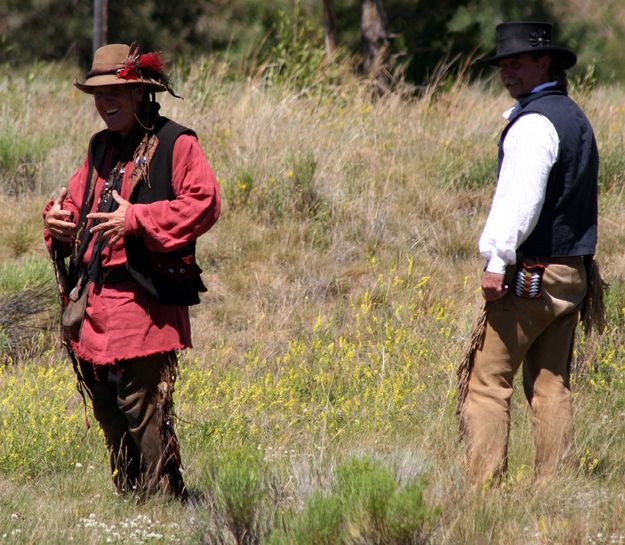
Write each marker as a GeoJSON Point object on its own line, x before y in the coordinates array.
{"type": "Point", "coordinates": [141, 158]}
{"type": "Point", "coordinates": [171, 458]}
{"type": "Point", "coordinates": [593, 313]}
{"type": "Point", "coordinates": [463, 373]}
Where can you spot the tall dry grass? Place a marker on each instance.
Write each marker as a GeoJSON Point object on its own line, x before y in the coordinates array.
{"type": "Point", "coordinates": [342, 279]}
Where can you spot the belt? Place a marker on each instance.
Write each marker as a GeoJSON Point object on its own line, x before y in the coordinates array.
{"type": "Point", "coordinates": [114, 275]}
{"type": "Point", "coordinates": [556, 260]}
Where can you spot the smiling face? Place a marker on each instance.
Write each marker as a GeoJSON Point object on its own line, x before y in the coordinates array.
{"type": "Point", "coordinates": [118, 106]}
{"type": "Point", "coordinates": [521, 73]}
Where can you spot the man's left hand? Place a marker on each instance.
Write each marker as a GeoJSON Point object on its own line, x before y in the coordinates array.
{"type": "Point", "coordinates": [112, 223]}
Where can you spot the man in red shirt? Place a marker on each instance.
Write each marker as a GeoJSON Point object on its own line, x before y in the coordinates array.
{"type": "Point", "coordinates": [128, 221]}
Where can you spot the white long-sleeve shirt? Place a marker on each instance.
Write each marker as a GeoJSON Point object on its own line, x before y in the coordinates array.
{"type": "Point", "coordinates": [531, 148]}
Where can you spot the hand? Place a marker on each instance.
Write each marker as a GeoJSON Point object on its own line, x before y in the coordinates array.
{"type": "Point", "coordinates": [58, 221]}
{"type": "Point", "coordinates": [112, 224]}
{"type": "Point", "coordinates": [493, 286]}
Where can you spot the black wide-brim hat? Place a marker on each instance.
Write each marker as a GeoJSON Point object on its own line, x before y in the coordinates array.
{"type": "Point", "coordinates": [520, 37]}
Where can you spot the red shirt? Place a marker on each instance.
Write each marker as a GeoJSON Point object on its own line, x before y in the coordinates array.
{"type": "Point", "coordinates": [122, 321]}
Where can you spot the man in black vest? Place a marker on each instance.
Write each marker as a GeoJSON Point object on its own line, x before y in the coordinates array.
{"type": "Point", "coordinates": [538, 243]}
{"type": "Point", "coordinates": [128, 221]}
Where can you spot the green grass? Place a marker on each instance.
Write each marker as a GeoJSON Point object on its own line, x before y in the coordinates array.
{"type": "Point", "coordinates": [27, 272]}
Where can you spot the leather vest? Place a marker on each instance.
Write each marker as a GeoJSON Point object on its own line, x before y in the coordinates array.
{"type": "Point", "coordinates": [170, 277]}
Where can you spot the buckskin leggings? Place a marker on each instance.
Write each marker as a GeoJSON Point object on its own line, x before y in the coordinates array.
{"type": "Point", "coordinates": [132, 402]}
{"type": "Point", "coordinates": [539, 332]}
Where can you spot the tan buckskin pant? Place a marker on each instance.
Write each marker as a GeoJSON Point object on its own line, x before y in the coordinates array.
{"type": "Point", "coordinates": [132, 402]}
{"type": "Point", "coordinates": [541, 332]}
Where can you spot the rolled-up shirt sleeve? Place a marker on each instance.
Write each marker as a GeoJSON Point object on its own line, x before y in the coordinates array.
{"type": "Point", "coordinates": [166, 225]}
{"type": "Point", "coordinates": [531, 148]}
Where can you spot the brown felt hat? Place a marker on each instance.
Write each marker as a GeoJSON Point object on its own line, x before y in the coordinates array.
{"type": "Point", "coordinates": [119, 64]}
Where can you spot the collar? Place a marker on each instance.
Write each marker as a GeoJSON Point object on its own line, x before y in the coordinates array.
{"type": "Point", "coordinates": [510, 112]}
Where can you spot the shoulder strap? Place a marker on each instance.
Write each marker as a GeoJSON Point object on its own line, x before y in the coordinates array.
{"type": "Point", "coordinates": [96, 157]}
{"type": "Point", "coordinates": [108, 204]}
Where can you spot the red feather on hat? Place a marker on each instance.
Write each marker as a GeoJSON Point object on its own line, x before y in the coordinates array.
{"type": "Point", "coordinates": [151, 61]}
{"type": "Point", "coordinates": [147, 66]}
{"type": "Point", "coordinates": [129, 72]}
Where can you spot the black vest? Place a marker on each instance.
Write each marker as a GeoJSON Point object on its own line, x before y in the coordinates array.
{"type": "Point", "coordinates": [171, 277]}
{"type": "Point", "coordinates": [567, 225]}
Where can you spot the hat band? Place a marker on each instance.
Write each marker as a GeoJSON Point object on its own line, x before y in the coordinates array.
{"type": "Point", "coordinates": [103, 71]}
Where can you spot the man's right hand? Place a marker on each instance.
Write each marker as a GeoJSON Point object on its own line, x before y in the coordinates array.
{"type": "Point", "coordinates": [58, 221]}
{"type": "Point", "coordinates": [493, 286]}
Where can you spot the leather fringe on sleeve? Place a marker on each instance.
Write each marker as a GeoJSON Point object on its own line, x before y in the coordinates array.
{"type": "Point", "coordinates": [464, 370]}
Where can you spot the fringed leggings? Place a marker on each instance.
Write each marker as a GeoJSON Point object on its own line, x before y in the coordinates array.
{"type": "Point", "coordinates": [132, 402]}
{"type": "Point", "coordinates": [538, 333]}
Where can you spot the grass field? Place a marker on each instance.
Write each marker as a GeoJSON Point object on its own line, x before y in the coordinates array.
{"type": "Point", "coordinates": [318, 405]}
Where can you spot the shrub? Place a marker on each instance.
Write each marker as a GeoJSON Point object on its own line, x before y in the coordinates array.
{"type": "Point", "coordinates": [320, 523]}
{"type": "Point", "coordinates": [366, 505]}
{"type": "Point", "coordinates": [238, 490]}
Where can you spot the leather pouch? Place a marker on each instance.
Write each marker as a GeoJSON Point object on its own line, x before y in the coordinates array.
{"type": "Point", "coordinates": [74, 312]}
{"type": "Point", "coordinates": [528, 281]}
